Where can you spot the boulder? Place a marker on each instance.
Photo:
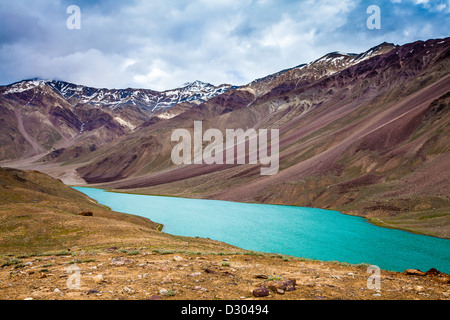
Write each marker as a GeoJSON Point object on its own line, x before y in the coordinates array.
{"type": "Point", "coordinates": [120, 261]}
{"type": "Point", "coordinates": [433, 272]}
{"type": "Point", "coordinates": [261, 292]}
{"type": "Point", "coordinates": [285, 285]}
{"type": "Point", "coordinates": [98, 278]}
{"type": "Point", "coordinates": [414, 272]}
{"type": "Point", "coordinates": [163, 291]}
{"type": "Point", "coordinates": [128, 290]}
{"type": "Point", "coordinates": [209, 271]}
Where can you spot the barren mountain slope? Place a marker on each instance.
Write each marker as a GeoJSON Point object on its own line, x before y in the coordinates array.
{"type": "Point", "coordinates": [359, 140]}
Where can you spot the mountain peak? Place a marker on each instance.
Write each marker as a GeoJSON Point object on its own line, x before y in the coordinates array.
{"type": "Point", "coordinates": [24, 85]}
{"type": "Point", "coordinates": [377, 50]}
{"type": "Point", "coordinates": [196, 83]}
{"type": "Point", "coordinates": [148, 100]}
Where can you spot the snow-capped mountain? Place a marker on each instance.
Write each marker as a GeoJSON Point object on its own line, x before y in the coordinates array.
{"type": "Point", "coordinates": [149, 100]}
{"type": "Point", "coordinates": [41, 115]}
{"type": "Point", "coordinates": [22, 86]}
{"type": "Point", "coordinates": [327, 65]}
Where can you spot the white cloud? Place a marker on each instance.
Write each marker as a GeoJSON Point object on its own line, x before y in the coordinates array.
{"type": "Point", "coordinates": [163, 44]}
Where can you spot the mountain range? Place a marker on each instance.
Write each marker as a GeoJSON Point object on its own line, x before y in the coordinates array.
{"type": "Point", "coordinates": [57, 114]}
{"type": "Point", "coordinates": [365, 134]}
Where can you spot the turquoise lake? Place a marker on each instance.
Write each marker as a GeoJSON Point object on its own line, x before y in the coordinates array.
{"type": "Point", "coordinates": [301, 232]}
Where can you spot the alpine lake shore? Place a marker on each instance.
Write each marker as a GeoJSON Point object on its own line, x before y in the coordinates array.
{"type": "Point", "coordinates": [48, 230]}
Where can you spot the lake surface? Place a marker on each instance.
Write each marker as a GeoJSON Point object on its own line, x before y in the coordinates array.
{"type": "Point", "coordinates": [301, 232]}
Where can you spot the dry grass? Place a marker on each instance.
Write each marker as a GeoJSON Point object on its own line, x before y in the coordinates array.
{"type": "Point", "coordinates": [42, 234]}
{"type": "Point", "coordinates": [40, 214]}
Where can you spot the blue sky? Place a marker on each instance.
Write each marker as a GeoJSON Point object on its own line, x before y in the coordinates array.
{"type": "Point", "coordinates": [161, 44]}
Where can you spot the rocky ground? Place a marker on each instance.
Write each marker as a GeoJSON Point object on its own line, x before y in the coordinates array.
{"type": "Point", "coordinates": [56, 243]}
{"type": "Point", "coordinates": [154, 274]}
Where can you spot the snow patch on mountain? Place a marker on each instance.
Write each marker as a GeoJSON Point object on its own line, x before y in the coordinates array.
{"type": "Point", "coordinates": [149, 100]}
{"type": "Point", "coordinates": [24, 86]}
{"type": "Point", "coordinates": [125, 123]}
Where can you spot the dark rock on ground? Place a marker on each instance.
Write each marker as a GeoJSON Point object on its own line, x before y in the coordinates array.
{"type": "Point", "coordinates": [261, 292]}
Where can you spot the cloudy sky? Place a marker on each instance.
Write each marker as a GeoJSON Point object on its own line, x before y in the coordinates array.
{"type": "Point", "coordinates": [162, 44]}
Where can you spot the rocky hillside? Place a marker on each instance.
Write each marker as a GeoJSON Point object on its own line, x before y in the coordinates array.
{"type": "Point", "coordinates": [145, 273]}
{"type": "Point", "coordinates": [366, 134]}
{"type": "Point", "coordinates": [51, 233]}
{"type": "Point", "coordinates": [40, 213]}
{"type": "Point", "coordinates": [39, 116]}
{"type": "Point", "coordinates": [306, 73]}
{"type": "Point", "coordinates": [368, 138]}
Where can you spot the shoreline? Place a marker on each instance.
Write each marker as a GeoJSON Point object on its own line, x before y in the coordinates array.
{"type": "Point", "coordinates": [67, 174]}
{"type": "Point", "coordinates": [146, 273]}
{"type": "Point", "coordinates": [367, 220]}
{"type": "Point", "coordinates": [124, 257]}
{"type": "Point", "coordinates": [372, 220]}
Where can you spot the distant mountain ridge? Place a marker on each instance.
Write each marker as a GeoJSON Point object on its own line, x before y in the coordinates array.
{"type": "Point", "coordinates": [44, 115]}
{"type": "Point", "coordinates": [149, 100]}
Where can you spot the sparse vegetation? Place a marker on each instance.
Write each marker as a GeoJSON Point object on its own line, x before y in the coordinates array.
{"type": "Point", "coordinates": [171, 293]}
{"type": "Point", "coordinates": [63, 253]}
{"type": "Point", "coordinates": [134, 252]}
{"type": "Point", "coordinates": [11, 262]}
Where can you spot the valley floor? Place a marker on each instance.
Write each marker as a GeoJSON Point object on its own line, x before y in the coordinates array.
{"type": "Point", "coordinates": [431, 222]}
{"type": "Point", "coordinates": [144, 273]}
{"type": "Point", "coordinates": [44, 238]}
